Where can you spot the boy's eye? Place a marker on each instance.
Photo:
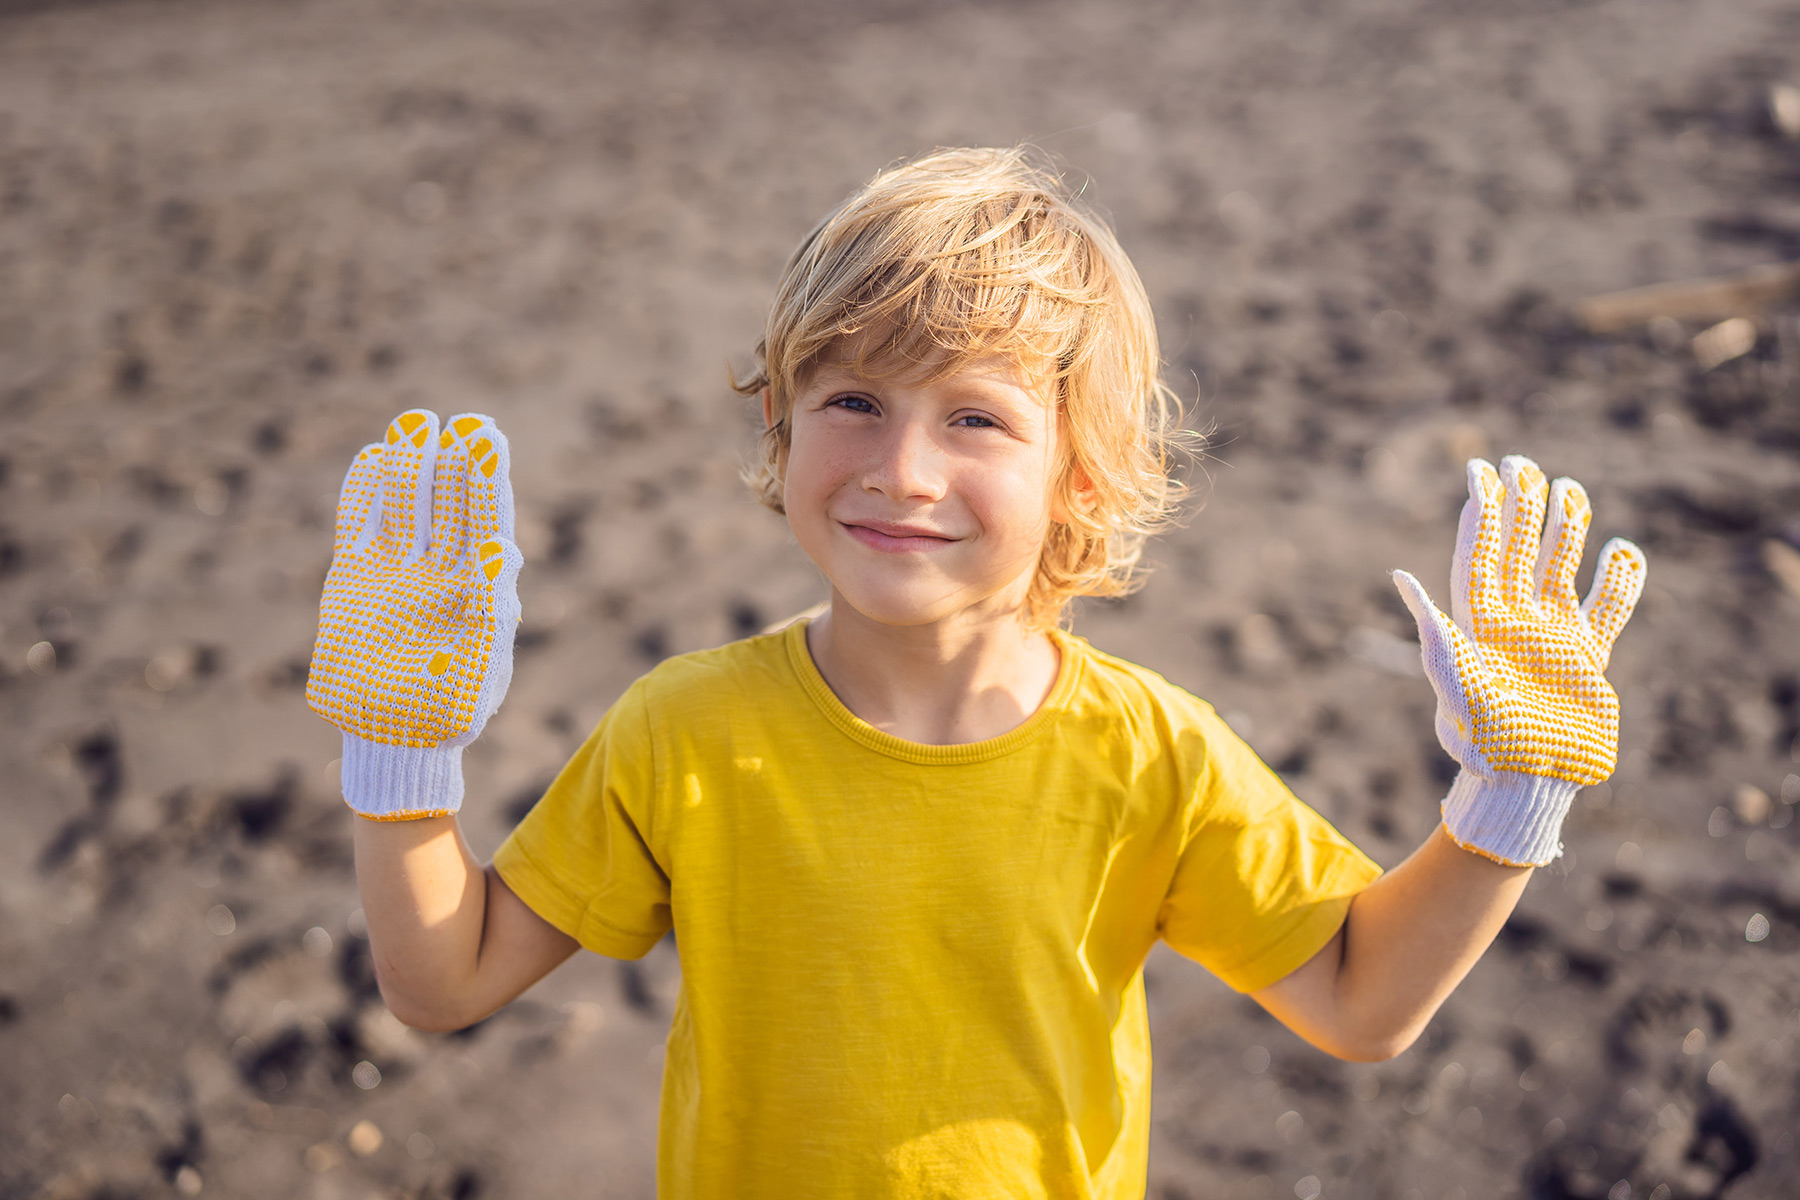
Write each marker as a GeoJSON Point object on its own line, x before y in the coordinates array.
{"type": "Point", "coordinates": [977, 421]}
{"type": "Point", "coordinates": [854, 403]}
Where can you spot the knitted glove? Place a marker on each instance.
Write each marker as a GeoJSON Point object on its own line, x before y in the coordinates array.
{"type": "Point", "coordinates": [416, 626]}
{"type": "Point", "coordinates": [1520, 675]}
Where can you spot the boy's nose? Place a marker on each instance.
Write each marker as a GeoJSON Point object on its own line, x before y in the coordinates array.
{"type": "Point", "coordinates": [908, 464]}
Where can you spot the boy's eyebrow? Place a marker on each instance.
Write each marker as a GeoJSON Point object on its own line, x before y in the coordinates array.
{"type": "Point", "coordinates": [979, 368]}
{"type": "Point", "coordinates": [977, 387]}
{"type": "Point", "coordinates": [989, 391]}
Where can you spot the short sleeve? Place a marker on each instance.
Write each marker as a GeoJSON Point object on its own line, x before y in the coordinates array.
{"type": "Point", "coordinates": [582, 858]}
{"type": "Point", "coordinates": [1263, 881]}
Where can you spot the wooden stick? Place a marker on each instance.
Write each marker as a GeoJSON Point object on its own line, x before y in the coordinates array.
{"type": "Point", "coordinates": [1783, 562]}
{"type": "Point", "coordinates": [1740, 294]}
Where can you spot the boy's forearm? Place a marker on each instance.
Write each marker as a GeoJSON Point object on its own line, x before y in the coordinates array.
{"type": "Point", "coordinates": [1413, 935]}
{"type": "Point", "coordinates": [424, 897]}
{"type": "Point", "coordinates": [451, 941]}
{"type": "Point", "coordinates": [1409, 939]}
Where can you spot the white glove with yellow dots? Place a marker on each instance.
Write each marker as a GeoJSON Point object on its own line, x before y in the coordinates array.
{"type": "Point", "coordinates": [1520, 675]}
{"type": "Point", "coordinates": [416, 625]}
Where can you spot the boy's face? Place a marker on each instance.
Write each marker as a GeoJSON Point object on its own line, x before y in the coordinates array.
{"type": "Point", "coordinates": [923, 501]}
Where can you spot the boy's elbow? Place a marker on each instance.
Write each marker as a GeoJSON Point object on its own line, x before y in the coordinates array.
{"type": "Point", "coordinates": [429, 1021]}
{"type": "Point", "coordinates": [433, 1016]}
{"type": "Point", "coordinates": [1370, 1046]}
{"type": "Point", "coordinates": [1374, 1051]}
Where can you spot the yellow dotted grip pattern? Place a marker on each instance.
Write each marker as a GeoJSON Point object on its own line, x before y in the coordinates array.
{"type": "Point", "coordinates": [417, 619]}
{"type": "Point", "coordinates": [1521, 672]}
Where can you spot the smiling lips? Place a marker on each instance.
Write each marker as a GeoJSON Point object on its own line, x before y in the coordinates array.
{"type": "Point", "coordinates": [891, 538]}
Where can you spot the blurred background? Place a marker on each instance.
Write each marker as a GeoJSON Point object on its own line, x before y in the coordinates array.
{"type": "Point", "coordinates": [235, 238]}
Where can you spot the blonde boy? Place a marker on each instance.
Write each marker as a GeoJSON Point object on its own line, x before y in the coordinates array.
{"type": "Point", "coordinates": [916, 849]}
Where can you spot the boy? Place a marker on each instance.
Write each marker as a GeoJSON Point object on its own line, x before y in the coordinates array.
{"type": "Point", "coordinates": [916, 849]}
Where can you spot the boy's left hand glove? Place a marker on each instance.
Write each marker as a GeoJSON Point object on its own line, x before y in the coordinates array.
{"type": "Point", "coordinates": [1520, 675]}
{"type": "Point", "coordinates": [416, 624]}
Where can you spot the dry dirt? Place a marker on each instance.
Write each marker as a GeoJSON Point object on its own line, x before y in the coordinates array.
{"type": "Point", "coordinates": [236, 237]}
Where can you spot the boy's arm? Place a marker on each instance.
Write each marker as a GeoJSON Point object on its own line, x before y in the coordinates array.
{"type": "Point", "coordinates": [413, 656]}
{"type": "Point", "coordinates": [451, 942]}
{"type": "Point", "coordinates": [1525, 709]}
{"type": "Point", "coordinates": [1408, 940]}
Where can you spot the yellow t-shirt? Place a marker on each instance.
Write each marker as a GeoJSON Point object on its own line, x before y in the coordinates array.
{"type": "Point", "coordinates": [911, 970]}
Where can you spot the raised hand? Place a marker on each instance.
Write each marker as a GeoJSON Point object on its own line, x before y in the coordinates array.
{"type": "Point", "coordinates": [416, 625]}
{"type": "Point", "coordinates": [1520, 674]}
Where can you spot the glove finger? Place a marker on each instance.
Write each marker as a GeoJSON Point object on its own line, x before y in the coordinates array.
{"type": "Point", "coordinates": [490, 485]}
{"type": "Point", "coordinates": [496, 570]}
{"type": "Point", "coordinates": [1521, 528]}
{"type": "Point", "coordinates": [450, 490]}
{"type": "Point", "coordinates": [1475, 569]}
{"type": "Point", "coordinates": [474, 669]}
{"type": "Point", "coordinates": [1565, 533]}
{"type": "Point", "coordinates": [407, 462]}
{"type": "Point", "coordinates": [1618, 582]}
{"type": "Point", "coordinates": [1442, 647]}
{"type": "Point", "coordinates": [359, 503]}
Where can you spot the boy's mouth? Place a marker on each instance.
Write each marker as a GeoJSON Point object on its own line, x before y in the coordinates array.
{"type": "Point", "coordinates": [895, 538]}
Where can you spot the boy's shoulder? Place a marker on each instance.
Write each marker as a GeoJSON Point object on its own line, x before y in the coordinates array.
{"type": "Point", "coordinates": [1111, 682]}
{"type": "Point", "coordinates": [761, 665]}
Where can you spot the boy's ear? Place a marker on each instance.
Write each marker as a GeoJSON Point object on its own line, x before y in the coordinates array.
{"type": "Point", "coordinates": [1079, 496]}
{"type": "Point", "coordinates": [768, 405]}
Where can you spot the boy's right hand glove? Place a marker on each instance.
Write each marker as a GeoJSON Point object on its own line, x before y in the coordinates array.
{"type": "Point", "coordinates": [1520, 675]}
{"type": "Point", "coordinates": [416, 625]}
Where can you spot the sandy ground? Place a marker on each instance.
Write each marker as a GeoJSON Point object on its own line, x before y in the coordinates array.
{"type": "Point", "coordinates": [236, 237]}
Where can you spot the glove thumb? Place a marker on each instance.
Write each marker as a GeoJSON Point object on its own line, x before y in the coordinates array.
{"type": "Point", "coordinates": [1441, 647]}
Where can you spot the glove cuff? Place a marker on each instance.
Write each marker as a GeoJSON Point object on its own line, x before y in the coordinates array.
{"type": "Point", "coordinates": [1509, 816]}
{"type": "Point", "coordinates": [401, 783]}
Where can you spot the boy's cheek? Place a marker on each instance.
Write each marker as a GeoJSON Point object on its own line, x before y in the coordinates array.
{"type": "Point", "coordinates": [803, 503]}
{"type": "Point", "coordinates": [809, 525]}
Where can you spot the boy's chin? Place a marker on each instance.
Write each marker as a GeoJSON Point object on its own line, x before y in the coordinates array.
{"type": "Point", "coordinates": [902, 611]}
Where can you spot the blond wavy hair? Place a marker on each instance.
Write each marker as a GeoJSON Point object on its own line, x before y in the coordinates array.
{"type": "Point", "coordinates": [969, 253]}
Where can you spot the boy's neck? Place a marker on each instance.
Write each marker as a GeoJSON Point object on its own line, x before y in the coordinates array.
{"type": "Point", "coordinates": [943, 684]}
